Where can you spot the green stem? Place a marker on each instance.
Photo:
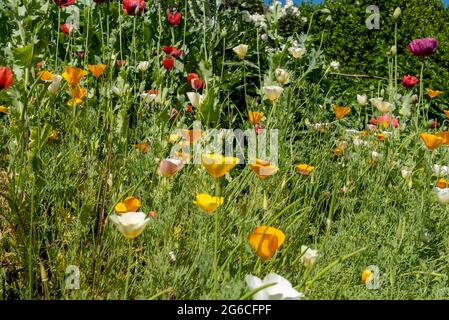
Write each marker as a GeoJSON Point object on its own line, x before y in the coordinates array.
{"type": "Point", "coordinates": [128, 271]}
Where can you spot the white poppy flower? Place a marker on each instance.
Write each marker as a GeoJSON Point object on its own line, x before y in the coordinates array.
{"type": "Point", "coordinates": [273, 92]}
{"type": "Point", "coordinates": [130, 224]}
{"type": "Point", "coordinates": [143, 66]}
{"type": "Point", "coordinates": [362, 100]}
{"type": "Point", "coordinates": [241, 50]}
{"type": "Point", "coordinates": [440, 171]}
{"type": "Point", "coordinates": [442, 195]}
{"type": "Point", "coordinates": [282, 290]}
{"type": "Point", "coordinates": [282, 75]}
{"type": "Point", "coordinates": [195, 98]}
{"type": "Point", "coordinates": [297, 52]}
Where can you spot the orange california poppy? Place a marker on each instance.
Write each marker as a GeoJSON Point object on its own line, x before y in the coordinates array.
{"type": "Point", "coordinates": [446, 112]}
{"type": "Point", "coordinates": [143, 147]}
{"type": "Point", "coordinates": [97, 69]}
{"type": "Point", "coordinates": [445, 136]}
{"type": "Point", "coordinates": [130, 204]}
{"type": "Point", "coordinates": [192, 136]}
{"type": "Point", "coordinates": [263, 169]}
{"type": "Point", "coordinates": [265, 241]}
{"type": "Point", "coordinates": [433, 93]}
{"type": "Point", "coordinates": [47, 76]}
{"type": "Point", "coordinates": [431, 141]}
{"type": "Point", "coordinates": [255, 117]}
{"type": "Point", "coordinates": [73, 75]}
{"type": "Point", "coordinates": [304, 169]}
{"type": "Point", "coordinates": [442, 184]}
{"type": "Point", "coordinates": [341, 112]}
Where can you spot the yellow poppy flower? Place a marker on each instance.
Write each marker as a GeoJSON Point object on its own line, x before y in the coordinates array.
{"type": "Point", "coordinates": [304, 169]}
{"type": "Point", "coordinates": [3, 109]}
{"type": "Point", "coordinates": [130, 204]}
{"type": "Point", "coordinates": [47, 76]}
{"type": "Point", "coordinates": [367, 275]}
{"type": "Point", "coordinates": [255, 117]}
{"type": "Point", "coordinates": [431, 141]}
{"type": "Point", "coordinates": [208, 203]}
{"type": "Point", "coordinates": [73, 75]}
{"type": "Point", "coordinates": [263, 169]}
{"type": "Point", "coordinates": [77, 93]}
{"type": "Point", "coordinates": [265, 241]}
{"type": "Point", "coordinates": [341, 112]}
{"type": "Point", "coordinates": [97, 69]}
{"type": "Point", "coordinates": [217, 165]}
{"type": "Point", "coordinates": [380, 137]}
{"type": "Point", "coordinates": [433, 93]}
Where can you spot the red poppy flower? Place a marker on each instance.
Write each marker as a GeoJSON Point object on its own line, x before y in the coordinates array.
{"type": "Point", "coordinates": [189, 108]}
{"type": "Point", "coordinates": [197, 83]}
{"type": "Point", "coordinates": [66, 28]}
{"type": "Point", "coordinates": [6, 78]}
{"type": "Point", "coordinates": [174, 19]}
{"type": "Point", "coordinates": [191, 76]}
{"type": "Point", "coordinates": [168, 62]}
{"type": "Point", "coordinates": [64, 3]}
{"type": "Point", "coordinates": [133, 7]}
{"type": "Point", "coordinates": [168, 49]}
{"type": "Point", "coordinates": [176, 53]}
{"type": "Point", "coordinates": [409, 81]}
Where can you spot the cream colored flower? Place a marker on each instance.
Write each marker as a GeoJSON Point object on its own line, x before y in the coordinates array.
{"type": "Point", "coordinates": [308, 256]}
{"type": "Point", "coordinates": [241, 50]}
{"type": "Point", "coordinates": [297, 52]}
{"type": "Point", "coordinates": [273, 92]}
{"type": "Point", "coordinates": [130, 224]}
{"type": "Point", "coordinates": [282, 76]}
{"type": "Point", "coordinates": [195, 98]}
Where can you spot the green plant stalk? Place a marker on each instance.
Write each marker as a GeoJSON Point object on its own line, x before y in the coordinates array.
{"type": "Point", "coordinates": [421, 93]}
{"type": "Point", "coordinates": [330, 266]}
{"type": "Point", "coordinates": [57, 39]}
{"type": "Point", "coordinates": [216, 227]}
{"type": "Point", "coordinates": [128, 271]}
{"type": "Point", "coordinates": [395, 58]}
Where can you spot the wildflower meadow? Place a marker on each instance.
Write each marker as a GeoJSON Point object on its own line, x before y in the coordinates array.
{"type": "Point", "coordinates": [212, 149]}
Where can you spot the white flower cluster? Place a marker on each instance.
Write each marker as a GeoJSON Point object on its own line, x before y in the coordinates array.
{"type": "Point", "coordinates": [288, 9]}
{"type": "Point", "coordinates": [257, 19]}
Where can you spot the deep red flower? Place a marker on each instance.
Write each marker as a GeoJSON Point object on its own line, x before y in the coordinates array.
{"type": "Point", "coordinates": [168, 62]}
{"type": "Point", "coordinates": [177, 53]}
{"type": "Point", "coordinates": [174, 19]}
{"type": "Point", "coordinates": [409, 81]}
{"type": "Point", "coordinates": [66, 28]}
{"type": "Point", "coordinates": [189, 108]}
{"type": "Point", "coordinates": [64, 3]}
{"type": "Point", "coordinates": [120, 63]}
{"type": "Point", "coordinates": [6, 78]}
{"type": "Point", "coordinates": [168, 49]}
{"type": "Point", "coordinates": [197, 83]}
{"type": "Point", "coordinates": [133, 7]}
{"type": "Point", "coordinates": [423, 47]}
{"type": "Point", "coordinates": [79, 54]}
